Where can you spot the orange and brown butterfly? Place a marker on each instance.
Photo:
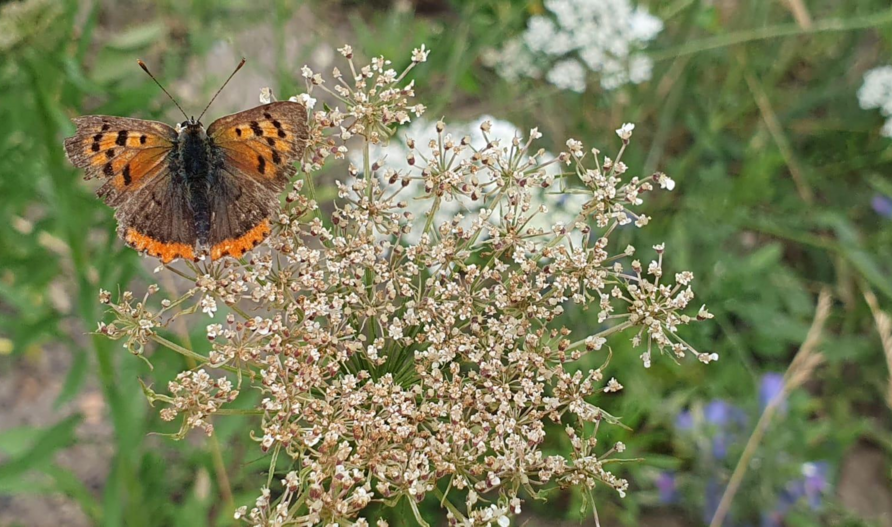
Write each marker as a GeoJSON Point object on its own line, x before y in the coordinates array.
{"type": "Point", "coordinates": [189, 192]}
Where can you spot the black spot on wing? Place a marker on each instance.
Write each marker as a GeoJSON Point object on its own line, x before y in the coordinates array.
{"type": "Point", "coordinates": [126, 174]}
{"type": "Point", "coordinates": [110, 153]}
{"type": "Point", "coordinates": [238, 131]}
{"type": "Point", "coordinates": [106, 127]}
{"type": "Point", "coordinates": [270, 141]}
{"type": "Point", "coordinates": [261, 164]}
{"type": "Point", "coordinates": [108, 170]}
{"type": "Point", "coordinates": [142, 139]}
{"type": "Point", "coordinates": [267, 115]}
{"type": "Point", "coordinates": [277, 159]}
{"type": "Point", "coordinates": [255, 127]}
{"type": "Point", "coordinates": [122, 138]}
{"type": "Point", "coordinates": [95, 147]}
{"type": "Point", "coordinates": [282, 133]}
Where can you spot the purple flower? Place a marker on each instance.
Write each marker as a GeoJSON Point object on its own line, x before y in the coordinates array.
{"type": "Point", "coordinates": [684, 421]}
{"type": "Point", "coordinates": [772, 519]}
{"type": "Point", "coordinates": [812, 487]}
{"type": "Point", "coordinates": [772, 386]}
{"type": "Point", "coordinates": [668, 487]}
{"type": "Point", "coordinates": [723, 420]}
{"type": "Point", "coordinates": [727, 420]}
{"type": "Point", "coordinates": [816, 482]}
{"type": "Point", "coordinates": [882, 205]}
{"type": "Point", "coordinates": [718, 412]}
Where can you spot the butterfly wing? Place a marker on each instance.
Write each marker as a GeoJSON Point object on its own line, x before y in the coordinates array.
{"type": "Point", "coordinates": [255, 151]}
{"type": "Point", "coordinates": [135, 157]}
{"type": "Point", "coordinates": [241, 212]}
{"type": "Point", "coordinates": [127, 152]}
{"type": "Point", "coordinates": [158, 219]}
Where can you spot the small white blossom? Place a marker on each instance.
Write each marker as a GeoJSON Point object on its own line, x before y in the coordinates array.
{"type": "Point", "coordinates": [266, 95]}
{"type": "Point", "coordinates": [613, 386]}
{"type": "Point", "coordinates": [625, 131]}
{"type": "Point", "coordinates": [420, 54]}
{"type": "Point", "coordinates": [666, 182]}
{"type": "Point", "coordinates": [305, 99]}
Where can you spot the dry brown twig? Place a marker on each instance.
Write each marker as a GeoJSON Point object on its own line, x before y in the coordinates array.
{"type": "Point", "coordinates": [884, 328]}
{"type": "Point", "coordinates": [800, 370]}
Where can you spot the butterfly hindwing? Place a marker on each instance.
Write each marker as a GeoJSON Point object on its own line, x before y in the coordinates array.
{"type": "Point", "coordinates": [262, 143]}
{"type": "Point", "coordinates": [127, 152]}
{"type": "Point", "coordinates": [159, 220]}
{"type": "Point", "coordinates": [241, 213]}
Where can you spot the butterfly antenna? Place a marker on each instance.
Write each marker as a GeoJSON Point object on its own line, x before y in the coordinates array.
{"type": "Point", "coordinates": [240, 64]}
{"type": "Point", "coordinates": [146, 69]}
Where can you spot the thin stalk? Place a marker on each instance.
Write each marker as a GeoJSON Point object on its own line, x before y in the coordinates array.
{"type": "Point", "coordinates": [800, 369]}
{"type": "Point", "coordinates": [770, 32]}
{"type": "Point", "coordinates": [173, 346]}
{"type": "Point", "coordinates": [216, 453]}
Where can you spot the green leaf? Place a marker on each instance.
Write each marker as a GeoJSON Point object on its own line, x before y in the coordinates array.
{"type": "Point", "coordinates": [77, 373]}
{"type": "Point", "coordinates": [138, 37]}
{"type": "Point", "coordinates": [42, 449]}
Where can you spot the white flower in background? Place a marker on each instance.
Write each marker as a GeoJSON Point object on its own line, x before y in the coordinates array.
{"type": "Point", "coordinates": [567, 75]}
{"type": "Point", "coordinates": [876, 92]}
{"type": "Point", "coordinates": [513, 62]}
{"type": "Point", "coordinates": [606, 35]}
{"type": "Point", "coordinates": [561, 208]}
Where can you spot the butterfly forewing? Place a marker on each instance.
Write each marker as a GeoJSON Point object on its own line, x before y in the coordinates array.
{"type": "Point", "coordinates": [263, 142]}
{"type": "Point", "coordinates": [127, 152]}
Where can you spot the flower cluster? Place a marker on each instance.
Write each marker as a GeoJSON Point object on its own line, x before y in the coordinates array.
{"type": "Point", "coordinates": [196, 395]}
{"type": "Point", "coordinates": [404, 149]}
{"type": "Point", "coordinates": [403, 353]}
{"type": "Point", "coordinates": [876, 92]}
{"type": "Point", "coordinates": [578, 36]}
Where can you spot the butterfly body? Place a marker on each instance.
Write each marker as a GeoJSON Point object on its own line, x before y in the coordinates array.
{"type": "Point", "coordinates": [195, 164]}
{"type": "Point", "coordinates": [193, 192]}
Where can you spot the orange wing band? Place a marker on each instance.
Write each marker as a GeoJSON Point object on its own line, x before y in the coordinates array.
{"type": "Point", "coordinates": [236, 247]}
{"type": "Point", "coordinates": [167, 252]}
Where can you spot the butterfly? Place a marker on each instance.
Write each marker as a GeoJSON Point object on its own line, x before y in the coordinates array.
{"type": "Point", "coordinates": [190, 192]}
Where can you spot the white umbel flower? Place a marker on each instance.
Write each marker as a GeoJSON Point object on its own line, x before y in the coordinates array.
{"type": "Point", "coordinates": [606, 35]}
{"type": "Point", "coordinates": [876, 92]}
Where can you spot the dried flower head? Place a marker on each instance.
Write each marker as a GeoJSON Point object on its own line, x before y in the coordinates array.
{"type": "Point", "coordinates": [401, 351]}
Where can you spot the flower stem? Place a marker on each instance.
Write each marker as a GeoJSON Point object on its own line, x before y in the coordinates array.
{"type": "Point", "coordinates": [764, 33]}
{"type": "Point", "coordinates": [189, 353]}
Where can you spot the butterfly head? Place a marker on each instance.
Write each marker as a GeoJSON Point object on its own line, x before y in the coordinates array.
{"type": "Point", "coordinates": [191, 127]}
{"type": "Point", "coordinates": [192, 122]}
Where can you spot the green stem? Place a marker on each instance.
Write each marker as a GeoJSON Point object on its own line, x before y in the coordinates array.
{"type": "Point", "coordinates": [201, 359]}
{"type": "Point", "coordinates": [779, 31]}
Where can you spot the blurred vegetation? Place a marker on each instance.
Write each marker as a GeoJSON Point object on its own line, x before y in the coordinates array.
{"type": "Point", "coordinates": [755, 116]}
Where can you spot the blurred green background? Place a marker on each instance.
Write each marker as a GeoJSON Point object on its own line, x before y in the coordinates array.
{"type": "Point", "coordinates": [784, 188]}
